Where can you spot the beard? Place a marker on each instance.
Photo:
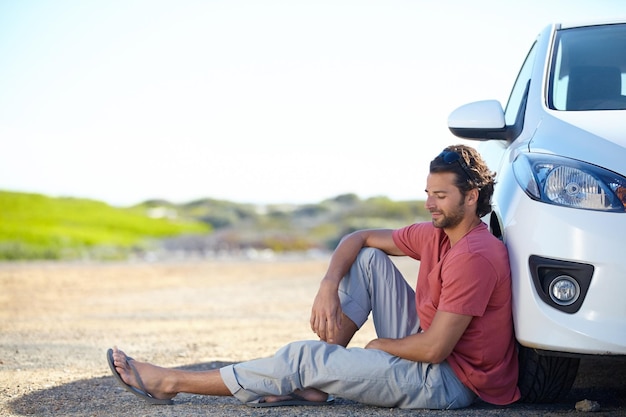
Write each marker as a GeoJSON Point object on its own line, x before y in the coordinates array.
{"type": "Point", "coordinates": [450, 219]}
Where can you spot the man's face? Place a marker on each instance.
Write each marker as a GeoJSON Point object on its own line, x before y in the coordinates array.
{"type": "Point", "coordinates": [444, 201]}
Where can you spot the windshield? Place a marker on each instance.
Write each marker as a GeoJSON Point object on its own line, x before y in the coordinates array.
{"type": "Point", "coordinates": [589, 69]}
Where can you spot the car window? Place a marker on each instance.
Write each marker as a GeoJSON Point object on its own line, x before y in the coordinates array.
{"type": "Point", "coordinates": [518, 94]}
{"type": "Point", "coordinates": [589, 69]}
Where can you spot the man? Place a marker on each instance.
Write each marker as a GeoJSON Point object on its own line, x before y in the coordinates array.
{"type": "Point", "coordinates": [439, 347]}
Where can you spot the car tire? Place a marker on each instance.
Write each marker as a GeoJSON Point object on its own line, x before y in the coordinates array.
{"type": "Point", "coordinates": [545, 378]}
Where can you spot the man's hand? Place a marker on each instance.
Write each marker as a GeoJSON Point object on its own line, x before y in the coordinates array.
{"type": "Point", "coordinates": [326, 313]}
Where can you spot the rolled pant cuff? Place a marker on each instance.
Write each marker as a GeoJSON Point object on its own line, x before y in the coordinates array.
{"type": "Point", "coordinates": [353, 310]}
{"type": "Point", "coordinates": [230, 380]}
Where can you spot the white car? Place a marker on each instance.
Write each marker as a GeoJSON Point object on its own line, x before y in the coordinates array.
{"type": "Point", "coordinates": [559, 150]}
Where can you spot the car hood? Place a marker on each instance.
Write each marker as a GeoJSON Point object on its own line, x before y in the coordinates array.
{"type": "Point", "coordinates": [597, 137]}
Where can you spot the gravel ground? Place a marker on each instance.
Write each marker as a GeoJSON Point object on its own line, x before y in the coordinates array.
{"type": "Point", "coordinates": [58, 319]}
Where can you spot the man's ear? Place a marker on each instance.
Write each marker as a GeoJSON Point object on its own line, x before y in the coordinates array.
{"type": "Point", "coordinates": [472, 196]}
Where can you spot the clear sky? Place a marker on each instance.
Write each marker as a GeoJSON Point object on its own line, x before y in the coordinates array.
{"type": "Point", "coordinates": [255, 101]}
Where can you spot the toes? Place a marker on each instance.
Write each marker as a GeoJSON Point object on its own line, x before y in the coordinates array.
{"type": "Point", "coordinates": [120, 359]}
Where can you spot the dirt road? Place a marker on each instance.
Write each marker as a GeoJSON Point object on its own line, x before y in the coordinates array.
{"type": "Point", "coordinates": [58, 319]}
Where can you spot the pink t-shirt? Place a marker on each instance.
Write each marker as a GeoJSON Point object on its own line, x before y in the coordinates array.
{"type": "Point", "coordinates": [473, 278]}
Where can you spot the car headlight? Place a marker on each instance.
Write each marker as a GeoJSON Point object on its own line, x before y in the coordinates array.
{"type": "Point", "coordinates": [570, 183]}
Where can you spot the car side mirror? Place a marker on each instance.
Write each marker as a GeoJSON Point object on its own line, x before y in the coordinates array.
{"type": "Point", "coordinates": [480, 120]}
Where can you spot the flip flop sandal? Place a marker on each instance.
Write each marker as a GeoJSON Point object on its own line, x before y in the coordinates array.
{"type": "Point", "coordinates": [141, 393]}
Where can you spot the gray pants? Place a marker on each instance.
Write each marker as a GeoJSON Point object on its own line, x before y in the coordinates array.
{"type": "Point", "coordinates": [368, 376]}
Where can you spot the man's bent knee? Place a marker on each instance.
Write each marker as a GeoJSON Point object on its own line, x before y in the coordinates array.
{"type": "Point", "coordinates": [368, 255]}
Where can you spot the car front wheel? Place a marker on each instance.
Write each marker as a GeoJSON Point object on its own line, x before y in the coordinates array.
{"type": "Point", "coordinates": [545, 378]}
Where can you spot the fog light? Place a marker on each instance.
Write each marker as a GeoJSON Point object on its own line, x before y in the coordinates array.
{"type": "Point", "coordinates": [564, 290]}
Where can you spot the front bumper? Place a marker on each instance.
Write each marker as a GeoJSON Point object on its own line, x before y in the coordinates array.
{"type": "Point", "coordinates": [531, 228]}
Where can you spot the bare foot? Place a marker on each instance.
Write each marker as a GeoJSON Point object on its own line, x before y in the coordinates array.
{"type": "Point", "coordinates": [154, 378]}
{"type": "Point", "coordinates": [309, 394]}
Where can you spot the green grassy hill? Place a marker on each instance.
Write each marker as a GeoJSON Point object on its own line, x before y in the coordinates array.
{"type": "Point", "coordinates": [34, 226]}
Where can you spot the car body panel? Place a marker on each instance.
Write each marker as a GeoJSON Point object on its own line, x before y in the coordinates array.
{"type": "Point", "coordinates": [605, 142]}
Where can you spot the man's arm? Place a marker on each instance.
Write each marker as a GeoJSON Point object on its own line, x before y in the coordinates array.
{"type": "Point", "coordinates": [432, 346]}
{"type": "Point", "coordinates": [326, 314]}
